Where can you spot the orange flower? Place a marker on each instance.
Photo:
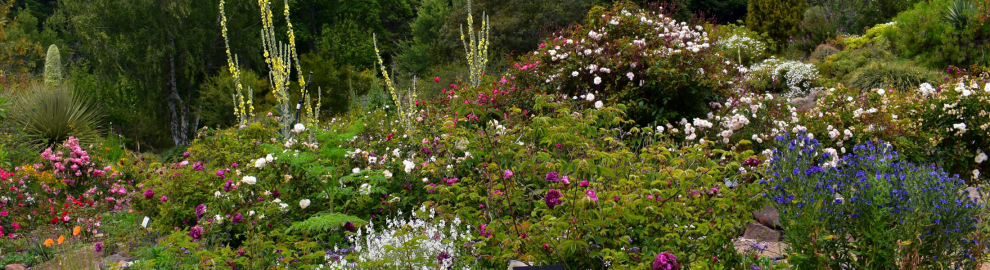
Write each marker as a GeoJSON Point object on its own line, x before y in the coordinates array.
{"type": "Point", "coordinates": [61, 239]}
{"type": "Point", "coordinates": [76, 230]}
{"type": "Point", "coordinates": [49, 242]}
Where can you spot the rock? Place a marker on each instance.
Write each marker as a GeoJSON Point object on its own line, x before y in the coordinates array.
{"type": "Point", "coordinates": [514, 263]}
{"type": "Point", "coordinates": [805, 103]}
{"type": "Point", "coordinates": [111, 260]}
{"type": "Point", "coordinates": [974, 194]}
{"type": "Point", "coordinates": [761, 233]}
{"type": "Point", "coordinates": [16, 266]}
{"type": "Point", "coordinates": [767, 216]}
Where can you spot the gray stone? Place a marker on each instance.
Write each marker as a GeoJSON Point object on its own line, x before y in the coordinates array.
{"type": "Point", "coordinates": [767, 216]}
{"type": "Point", "coordinates": [115, 259]}
{"type": "Point", "coordinates": [16, 266]}
{"type": "Point", "coordinates": [974, 194]}
{"type": "Point", "coordinates": [761, 233]}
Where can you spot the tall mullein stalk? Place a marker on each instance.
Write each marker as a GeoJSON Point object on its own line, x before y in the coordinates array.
{"type": "Point", "coordinates": [477, 48]}
{"type": "Point", "coordinates": [403, 113]}
{"type": "Point", "coordinates": [279, 57]}
{"type": "Point", "coordinates": [242, 110]}
{"type": "Point", "coordinates": [295, 57]}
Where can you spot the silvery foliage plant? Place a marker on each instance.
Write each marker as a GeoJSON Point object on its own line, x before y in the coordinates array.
{"type": "Point", "coordinates": [423, 242]}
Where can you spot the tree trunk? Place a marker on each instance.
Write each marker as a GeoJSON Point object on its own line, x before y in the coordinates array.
{"type": "Point", "coordinates": [177, 108]}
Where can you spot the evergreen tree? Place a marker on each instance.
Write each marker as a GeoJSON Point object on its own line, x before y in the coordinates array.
{"type": "Point", "coordinates": [777, 18]}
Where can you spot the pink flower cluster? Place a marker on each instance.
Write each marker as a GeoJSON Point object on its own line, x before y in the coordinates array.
{"type": "Point", "coordinates": [77, 164]}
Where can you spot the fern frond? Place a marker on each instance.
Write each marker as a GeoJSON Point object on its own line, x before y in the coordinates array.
{"type": "Point", "coordinates": [322, 223]}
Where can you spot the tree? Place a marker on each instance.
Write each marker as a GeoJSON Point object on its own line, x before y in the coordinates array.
{"type": "Point", "coordinates": [778, 18]}
{"type": "Point", "coordinates": [149, 51]}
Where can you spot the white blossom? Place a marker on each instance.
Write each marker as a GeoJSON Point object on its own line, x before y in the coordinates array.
{"type": "Point", "coordinates": [250, 180]}
{"type": "Point", "coordinates": [303, 203]}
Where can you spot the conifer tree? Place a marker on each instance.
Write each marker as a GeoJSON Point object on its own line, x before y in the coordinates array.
{"type": "Point", "coordinates": [779, 19]}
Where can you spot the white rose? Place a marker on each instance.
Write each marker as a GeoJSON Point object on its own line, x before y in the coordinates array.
{"type": "Point", "coordinates": [598, 80]}
{"type": "Point", "coordinates": [260, 163]}
{"type": "Point", "coordinates": [303, 203]}
{"type": "Point", "coordinates": [599, 104]}
{"type": "Point", "coordinates": [269, 158]}
{"type": "Point", "coordinates": [250, 180]}
{"type": "Point", "coordinates": [387, 174]}
{"type": "Point", "coordinates": [298, 128]}
{"type": "Point", "coordinates": [590, 97]}
{"type": "Point", "coordinates": [981, 157]}
{"type": "Point", "coordinates": [365, 189]}
{"type": "Point", "coordinates": [356, 170]}
{"type": "Point", "coordinates": [409, 165]}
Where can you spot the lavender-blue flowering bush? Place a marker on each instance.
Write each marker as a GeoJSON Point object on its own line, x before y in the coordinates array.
{"type": "Point", "coordinates": [869, 210]}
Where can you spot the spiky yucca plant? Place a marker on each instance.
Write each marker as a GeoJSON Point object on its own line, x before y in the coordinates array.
{"type": "Point", "coordinates": [50, 115]}
{"type": "Point", "coordinates": [958, 13]}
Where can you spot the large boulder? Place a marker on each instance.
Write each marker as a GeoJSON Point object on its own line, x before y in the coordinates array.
{"type": "Point", "coordinates": [767, 216]}
{"type": "Point", "coordinates": [759, 232]}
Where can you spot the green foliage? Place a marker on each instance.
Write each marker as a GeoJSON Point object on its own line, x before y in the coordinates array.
{"type": "Point", "coordinates": [323, 223]}
{"type": "Point", "coordinates": [335, 80]}
{"type": "Point", "coordinates": [780, 19]}
{"type": "Point", "coordinates": [923, 35]}
{"type": "Point", "coordinates": [215, 104]}
{"type": "Point", "coordinates": [816, 27]}
{"type": "Point", "coordinates": [902, 76]}
{"type": "Point", "coordinates": [420, 52]}
{"type": "Point", "coordinates": [837, 66]}
{"type": "Point", "coordinates": [50, 115]}
{"type": "Point", "coordinates": [823, 51]}
{"type": "Point", "coordinates": [53, 67]}
{"type": "Point", "coordinates": [742, 45]}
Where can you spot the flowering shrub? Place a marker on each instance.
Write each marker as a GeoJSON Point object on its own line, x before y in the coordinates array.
{"type": "Point", "coordinates": [658, 67]}
{"type": "Point", "coordinates": [793, 78]}
{"type": "Point", "coordinates": [69, 189]}
{"type": "Point", "coordinates": [425, 241]}
{"type": "Point", "coordinates": [524, 184]}
{"type": "Point", "coordinates": [741, 44]}
{"type": "Point", "coordinates": [868, 208]}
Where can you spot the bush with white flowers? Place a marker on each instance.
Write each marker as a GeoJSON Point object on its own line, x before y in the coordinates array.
{"type": "Point", "coordinates": [422, 242]}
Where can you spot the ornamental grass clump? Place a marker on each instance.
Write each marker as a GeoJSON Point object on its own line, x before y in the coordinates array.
{"type": "Point", "coordinates": [869, 210]}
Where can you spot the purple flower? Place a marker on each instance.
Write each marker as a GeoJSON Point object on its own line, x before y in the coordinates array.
{"type": "Point", "coordinates": [164, 199]}
{"type": "Point", "coordinates": [553, 176]}
{"type": "Point", "coordinates": [584, 183]}
{"type": "Point", "coordinates": [98, 247]}
{"type": "Point", "coordinates": [200, 211]}
{"type": "Point", "coordinates": [196, 233]}
{"type": "Point", "coordinates": [507, 174]}
{"type": "Point", "coordinates": [443, 256]}
{"type": "Point", "coordinates": [237, 218]}
{"type": "Point", "coordinates": [665, 261]}
{"type": "Point", "coordinates": [148, 194]}
{"type": "Point", "coordinates": [185, 155]}
{"type": "Point", "coordinates": [553, 198]}
{"type": "Point", "coordinates": [275, 193]}
{"type": "Point", "coordinates": [198, 166]}
{"type": "Point", "coordinates": [228, 186]}
{"type": "Point", "coordinates": [349, 226]}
